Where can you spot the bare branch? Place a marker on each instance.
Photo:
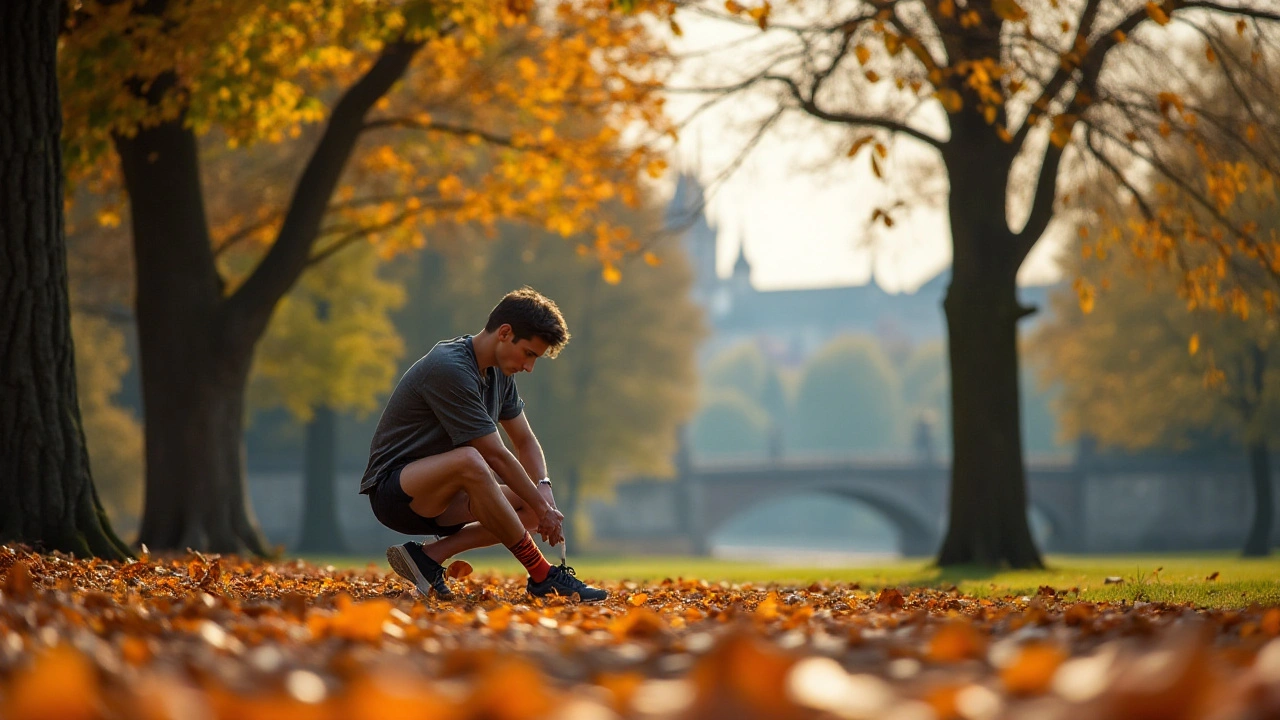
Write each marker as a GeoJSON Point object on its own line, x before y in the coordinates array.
{"type": "Point", "coordinates": [808, 105]}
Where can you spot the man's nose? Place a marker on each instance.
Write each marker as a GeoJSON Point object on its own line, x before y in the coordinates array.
{"type": "Point", "coordinates": [528, 367]}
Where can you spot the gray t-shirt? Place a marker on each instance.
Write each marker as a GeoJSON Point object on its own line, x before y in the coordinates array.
{"type": "Point", "coordinates": [440, 403]}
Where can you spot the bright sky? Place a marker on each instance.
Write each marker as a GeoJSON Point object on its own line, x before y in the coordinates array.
{"type": "Point", "coordinates": [801, 207]}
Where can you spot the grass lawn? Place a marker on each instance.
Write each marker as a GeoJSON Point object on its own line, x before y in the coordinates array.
{"type": "Point", "coordinates": [1166, 578]}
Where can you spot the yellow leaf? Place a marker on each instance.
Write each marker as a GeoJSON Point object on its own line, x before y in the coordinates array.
{"type": "Point", "coordinates": [875, 167]}
{"type": "Point", "coordinates": [611, 274]}
{"type": "Point", "coordinates": [950, 100]}
{"type": "Point", "coordinates": [675, 28]}
{"type": "Point", "coordinates": [1009, 10]}
{"type": "Point", "coordinates": [872, 75]}
{"type": "Point", "coordinates": [637, 599]}
{"type": "Point", "coordinates": [652, 259]}
{"type": "Point", "coordinates": [1084, 289]}
{"type": "Point", "coordinates": [1209, 54]}
{"type": "Point", "coordinates": [862, 53]}
{"type": "Point", "coordinates": [892, 43]}
{"type": "Point", "coordinates": [947, 8]}
{"type": "Point", "coordinates": [1240, 26]}
{"type": "Point", "coordinates": [1157, 14]}
{"type": "Point", "coordinates": [1119, 36]}
{"type": "Point", "coordinates": [1193, 346]}
{"type": "Point", "coordinates": [108, 218]}
{"type": "Point", "coordinates": [733, 7]}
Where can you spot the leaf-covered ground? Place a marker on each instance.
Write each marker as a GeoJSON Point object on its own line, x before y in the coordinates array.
{"type": "Point", "coordinates": [209, 637]}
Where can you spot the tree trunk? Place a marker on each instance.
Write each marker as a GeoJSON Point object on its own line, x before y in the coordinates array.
{"type": "Point", "coordinates": [1258, 543]}
{"type": "Point", "coordinates": [50, 501]}
{"type": "Point", "coordinates": [987, 524]}
{"type": "Point", "coordinates": [321, 532]}
{"type": "Point", "coordinates": [193, 371]}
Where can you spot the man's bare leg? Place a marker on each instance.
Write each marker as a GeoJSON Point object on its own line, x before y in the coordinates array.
{"type": "Point", "coordinates": [474, 535]}
{"type": "Point", "coordinates": [436, 484]}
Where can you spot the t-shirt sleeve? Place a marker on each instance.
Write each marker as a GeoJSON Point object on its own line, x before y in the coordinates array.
{"type": "Point", "coordinates": [454, 396]}
{"type": "Point", "coordinates": [512, 405]}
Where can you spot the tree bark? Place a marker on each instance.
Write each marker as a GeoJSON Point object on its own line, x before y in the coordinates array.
{"type": "Point", "coordinates": [321, 532]}
{"type": "Point", "coordinates": [50, 501]}
{"type": "Point", "coordinates": [195, 343]}
{"type": "Point", "coordinates": [1258, 544]}
{"type": "Point", "coordinates": [987, 524]}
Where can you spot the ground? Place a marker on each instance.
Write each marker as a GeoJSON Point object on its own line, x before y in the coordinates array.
{"type": "Point", "coordinates": [217, 637]}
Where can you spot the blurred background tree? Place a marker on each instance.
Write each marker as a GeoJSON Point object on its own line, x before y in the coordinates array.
{"type": "Point", "coordinates": [849, 398]}
{"type": "Point", "coordinates": [331, 348]}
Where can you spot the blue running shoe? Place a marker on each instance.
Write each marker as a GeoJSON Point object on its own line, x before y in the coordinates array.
{"type": "Point", "coordinates": [412, 564]}
{"type": "Point", "coordinates": [562, 580]}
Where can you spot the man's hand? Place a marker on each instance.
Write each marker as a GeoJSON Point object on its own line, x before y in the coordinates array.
{"type": "Point", "coordinates": [551, 525]}
{"type": "Point", "coordinates": [544, 489]}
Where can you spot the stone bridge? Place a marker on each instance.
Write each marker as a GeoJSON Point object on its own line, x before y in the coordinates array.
{"type": "Point", "coordinates": [1092, 506]}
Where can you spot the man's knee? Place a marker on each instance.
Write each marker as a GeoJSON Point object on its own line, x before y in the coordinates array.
{"type": "Point", "coordinates": [474, 471]}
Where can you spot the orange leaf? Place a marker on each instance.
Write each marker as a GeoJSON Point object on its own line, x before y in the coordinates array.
{"type": "Point", "coordinates": [61, 684]}
{"type": "Point", "coordinates": [18, 582]}
{"type": "Point", "coordinates": [955, 642]}
{"type": "Point", "coordinates": [459, 569]}
{"type": "Point", "coordinates": [637, 599]}
{"type": "Point", "coordinates": [1032, 670]}
{"type": "Point", "coordinates": [1157, 13]}
{"type": "Point", "coordinates": [1009, 10]}
{"type": "Point", "coordinates": [859, 144]}
{"type": "Point", "coordinates": [890, 598]}
{"type": "Point", "coordinates": [1193, 345]}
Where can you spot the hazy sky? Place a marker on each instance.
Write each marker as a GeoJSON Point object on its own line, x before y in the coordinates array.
{"type": "Point", "coordinates": [801, 207]}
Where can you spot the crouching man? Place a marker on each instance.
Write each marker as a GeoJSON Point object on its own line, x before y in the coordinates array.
{"type": "Point", "coordinates": [437, 465]}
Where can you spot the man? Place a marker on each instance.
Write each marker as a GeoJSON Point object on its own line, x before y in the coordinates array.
{"type": "Point", "coordinates": [437, 465]}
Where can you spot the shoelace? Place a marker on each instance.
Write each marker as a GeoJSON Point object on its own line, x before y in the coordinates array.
{"type": "Point", "coordinates": [575, 581]}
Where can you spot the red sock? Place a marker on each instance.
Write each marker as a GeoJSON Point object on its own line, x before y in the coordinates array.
{"type": "Point", "coordinates": [531, 558]}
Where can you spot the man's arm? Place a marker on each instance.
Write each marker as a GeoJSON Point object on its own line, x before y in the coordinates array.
{"type": "Point", "coordinates": [527, 447]}
{"type": "Point", "coordinates": [510, 471]}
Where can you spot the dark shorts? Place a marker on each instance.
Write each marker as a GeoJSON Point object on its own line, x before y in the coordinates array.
{"type": "Point", "coordinates": [391, 508]}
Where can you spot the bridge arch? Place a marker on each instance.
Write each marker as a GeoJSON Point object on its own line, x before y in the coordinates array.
{"type": "Point", "coordinates": [917, 534]}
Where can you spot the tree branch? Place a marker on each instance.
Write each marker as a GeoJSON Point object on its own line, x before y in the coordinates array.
{"type": "Point", "coordinates": [250, 307]}
{"type": "Point", "coordinates": [809, 106]}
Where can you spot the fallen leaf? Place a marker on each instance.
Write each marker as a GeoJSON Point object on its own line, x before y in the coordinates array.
{"type": "Point", "coordinates": [459, 569]}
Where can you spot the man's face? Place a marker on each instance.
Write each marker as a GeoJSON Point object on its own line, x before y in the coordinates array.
{"type": "Point", "coordinates": [518, 355]}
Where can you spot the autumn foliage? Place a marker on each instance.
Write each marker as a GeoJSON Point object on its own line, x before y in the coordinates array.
{"type": "Point", "coordinates": [208, 636]}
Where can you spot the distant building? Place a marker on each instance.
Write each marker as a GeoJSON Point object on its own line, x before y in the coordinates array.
{"type": "Point", "coordinates": [790, 325]}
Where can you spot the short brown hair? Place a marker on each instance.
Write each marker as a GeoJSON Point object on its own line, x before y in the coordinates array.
{"type": "Point", "coordinates": [530, 313]}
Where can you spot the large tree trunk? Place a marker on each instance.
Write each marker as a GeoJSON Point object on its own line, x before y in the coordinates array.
{"type": "Point", "coordinates": [988, 508]}
{"type": "Point", "coordinates": [193, 371]}
{"type": "Point", "coordinates": [1258, 543]}
{"type": "Point", "coordinates": [49, 498]}
{"type": "Point", "coordinates": [321, 532]}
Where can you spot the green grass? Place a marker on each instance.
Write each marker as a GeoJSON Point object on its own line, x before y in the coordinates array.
{"type": "Point", "coordinates": [1152, 578]}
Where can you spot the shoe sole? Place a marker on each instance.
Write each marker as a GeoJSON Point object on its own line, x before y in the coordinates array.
{"type": "Point", "coordinates": [556, 594]}
{"type": "Point", "coordinates": [399, 560]}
